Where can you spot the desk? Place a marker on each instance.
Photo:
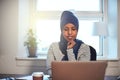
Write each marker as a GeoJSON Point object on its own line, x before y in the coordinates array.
{"type": "Point", "coordinates": [46, 77]}
{"type": "Point", "coordinates": [28, 77]}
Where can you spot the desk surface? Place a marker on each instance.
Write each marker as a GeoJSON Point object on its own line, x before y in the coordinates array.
{"type": "Point", "coordinates": [46, 77]}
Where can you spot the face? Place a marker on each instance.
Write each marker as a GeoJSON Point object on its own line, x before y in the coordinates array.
{"type": "Point", "coordinates": [69, 32]}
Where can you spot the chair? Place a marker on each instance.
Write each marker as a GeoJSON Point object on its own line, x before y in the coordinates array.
{"type": "Point", "coordinates": [93, 54]}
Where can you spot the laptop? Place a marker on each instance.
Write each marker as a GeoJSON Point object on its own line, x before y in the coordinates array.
{"type": "Point", "coordinates": [74, 70]}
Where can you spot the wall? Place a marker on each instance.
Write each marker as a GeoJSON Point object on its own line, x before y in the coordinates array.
{"type": "Point", "coordinates": [0, 25]}
{"type": "Point", "coordinates": [8, 37]}
{"type": "Point", "coordinates": [113, 39]}
{"type": "Point", "coordinates": [9, 29]}
{"type": "Point", "coordinates": [118, 32]}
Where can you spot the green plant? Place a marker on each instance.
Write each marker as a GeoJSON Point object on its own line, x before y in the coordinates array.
{"type": "Point", "coordinates": [31, 40]}
{"type": "Point", "coordinates": [31, 43]}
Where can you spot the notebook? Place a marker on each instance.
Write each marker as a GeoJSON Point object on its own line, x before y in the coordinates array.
{"type": "Point", "coordinates": [89, 70]}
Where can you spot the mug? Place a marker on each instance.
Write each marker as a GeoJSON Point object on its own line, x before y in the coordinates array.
{"type": "Point", "coordinates": [37, 75]}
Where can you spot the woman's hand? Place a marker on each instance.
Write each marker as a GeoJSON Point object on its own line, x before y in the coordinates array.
{"type": "Point", "coordinates": [71, 44]}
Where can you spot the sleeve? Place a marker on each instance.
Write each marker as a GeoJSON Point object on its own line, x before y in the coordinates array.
{"type": "Point", "coordinates": [84, 53]}
{"type": "Point", "coordinates": [50, 58]}
{"type": "Point", "coordinates": [71, 55]}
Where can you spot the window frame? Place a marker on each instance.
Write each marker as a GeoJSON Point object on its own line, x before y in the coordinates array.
{"type": "Point", "coordinates": [34, 15]}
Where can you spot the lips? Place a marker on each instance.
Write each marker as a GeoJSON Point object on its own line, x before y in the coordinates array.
{"type": "Point", "coordinates": [70, 37]}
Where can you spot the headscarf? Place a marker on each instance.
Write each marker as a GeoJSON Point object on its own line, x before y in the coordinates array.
{"type": "Point", "coordinates": [68, 17]}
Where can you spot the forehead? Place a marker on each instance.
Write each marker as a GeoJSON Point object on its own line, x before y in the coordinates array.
{"type": "Point", "coordinates": [69, 25]}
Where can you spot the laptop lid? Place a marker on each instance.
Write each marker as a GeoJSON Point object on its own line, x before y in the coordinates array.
{"type": "Point", "coordinates": [67, 70]}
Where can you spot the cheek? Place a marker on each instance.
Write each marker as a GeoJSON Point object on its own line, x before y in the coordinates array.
{"type": "Point", "coordinates": [64, 34]}
{"type": "Point", "coordinates": [75, 33]}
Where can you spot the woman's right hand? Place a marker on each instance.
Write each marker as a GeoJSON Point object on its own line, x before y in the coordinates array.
{"type": "Point", "coordinates": [71, 44]}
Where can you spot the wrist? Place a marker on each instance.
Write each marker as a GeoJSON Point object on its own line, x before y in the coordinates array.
{"type": "Point", "coordinates": [70, 49]}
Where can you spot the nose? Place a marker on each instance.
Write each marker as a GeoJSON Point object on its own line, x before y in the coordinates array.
{"type": "Point", "coordinates": [69, 31]}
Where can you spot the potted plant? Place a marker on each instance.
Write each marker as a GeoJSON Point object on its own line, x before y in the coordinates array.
{"type": "Point", "coordinates": [31, 43]}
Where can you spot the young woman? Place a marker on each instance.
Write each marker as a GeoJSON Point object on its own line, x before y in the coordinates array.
{"type": "Point", "coordinates": [69, 48]}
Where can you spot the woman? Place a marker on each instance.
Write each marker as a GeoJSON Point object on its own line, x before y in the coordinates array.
{"type": "Point", "coordinates": [69, 48]}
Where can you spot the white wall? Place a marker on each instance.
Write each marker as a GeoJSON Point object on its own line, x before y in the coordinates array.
{"type": "Point", "coordinates": [119, 26]}
{"type": "Point", "coordinates": [9, 29]}
{"type": "Point", "coordinates": [118, 32]}
{"type": "Point", "coordinates": [9, 35]}
{"type": "Point", "coordinates": [0, 25]}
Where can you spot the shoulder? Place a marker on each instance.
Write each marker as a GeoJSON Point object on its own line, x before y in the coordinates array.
{"type": "Point", "coordinates": [54, 45]}
{"type": "Point", "coordinates": [84, 48]}
{"type": "Point", "coordinates": [83, 45]}
{"type": "Point", "coordinates": [88, 47]}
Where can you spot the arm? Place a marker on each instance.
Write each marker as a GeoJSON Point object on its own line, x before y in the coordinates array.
{"type": "Point", "coordinates": [54, 54]}
{"type": "Point", "coordinates": [50, 58]}
{"type": "Point", "coordinates": [84, 53]}
{"type": "Point", "coordinates": [71, 55]}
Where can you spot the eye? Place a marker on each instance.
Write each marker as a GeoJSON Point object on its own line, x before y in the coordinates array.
{"type": "Point", "coordinates": [73, 29]}
{"type": "Point", "coordinates": [65, 29]}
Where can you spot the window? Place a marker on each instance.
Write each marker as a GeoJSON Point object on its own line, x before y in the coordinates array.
{"type": "Point", "coordinates": [47, 21]}
{"type": "Point", "coordinates": [79, 5]}
{"type": "Point", "coordinates": [31, 15]}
